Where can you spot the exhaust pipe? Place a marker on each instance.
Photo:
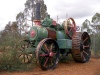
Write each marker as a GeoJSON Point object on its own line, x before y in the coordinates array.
{"type": "Point", "coordinates": [37, 20]}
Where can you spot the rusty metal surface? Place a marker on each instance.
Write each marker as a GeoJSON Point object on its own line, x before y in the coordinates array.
{"type": "Point", "coordinates": [76, 46]}
{"type": "Point", "coordinates": [80, 54]}
{"type": "Point", "coordinates": [45, 52]}
{"type": "Point", "coordinates": [51, 34]}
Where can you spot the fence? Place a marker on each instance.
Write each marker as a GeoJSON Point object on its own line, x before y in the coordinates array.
{"type": "Point", "coordinates": [95, 45]}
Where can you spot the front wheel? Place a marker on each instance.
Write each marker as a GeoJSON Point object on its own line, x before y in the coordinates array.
{"type": "Point", "coordinates": [47, 54]}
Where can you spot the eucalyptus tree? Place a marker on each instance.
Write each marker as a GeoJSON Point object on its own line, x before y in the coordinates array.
{"type": "Point", "coordinates": [86, 26]}
{"type": "Point", "coordinates": [30, 7]}
{"type": "Point", "coordinates": [96, 22]}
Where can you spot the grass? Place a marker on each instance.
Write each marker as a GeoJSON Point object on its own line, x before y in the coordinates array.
{"type": "Point", "coordinates": [8, 62]}
{"type": "Point", "coordinates": [64, 59]}
{"type": "Point", "coordinates": [95, 54]}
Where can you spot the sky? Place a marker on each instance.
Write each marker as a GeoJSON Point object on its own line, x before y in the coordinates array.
{"type": "Point", "coordinates": [77, 9]}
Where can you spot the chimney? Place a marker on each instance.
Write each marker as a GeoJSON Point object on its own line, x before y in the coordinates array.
{"type": "Point", "coordinates": [37, 20]}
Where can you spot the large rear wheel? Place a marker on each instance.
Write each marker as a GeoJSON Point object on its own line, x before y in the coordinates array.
{"type": "Point", "coordinates": [81, 47]}
{"type": "Point", "coordinates": [23, 55]}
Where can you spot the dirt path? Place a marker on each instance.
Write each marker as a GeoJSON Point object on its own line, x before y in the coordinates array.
{"type": "Point", "coordinates": [70, 68]}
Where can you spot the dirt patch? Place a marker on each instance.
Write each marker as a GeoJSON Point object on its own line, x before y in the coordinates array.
{"type": "Point", "coordinates": [69, 68]}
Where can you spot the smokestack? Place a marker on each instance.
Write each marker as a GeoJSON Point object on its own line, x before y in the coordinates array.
{"type": "Point", "coordinates": [37, 14]}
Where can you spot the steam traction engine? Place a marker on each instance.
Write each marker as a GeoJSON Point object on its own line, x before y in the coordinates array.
{"type": "Point", "coordinates": [49, 40]}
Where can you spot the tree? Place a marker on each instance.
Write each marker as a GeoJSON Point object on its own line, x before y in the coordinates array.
{"type": "Point", "coordinates": [10, 29]}
{"type": "Point", "coordinates": [14, 27]}
{"type": "Point", "coordinates": [30, 7]}
{"type": "Point", "coordinates": [96, 22]}
{"type": "Point", "coordinates": [9, 34]}
{"type": "Point", "coordinates": [95, 36]}
{"type": "Point", "coordinates": [43, 10]}
{"type": "Point", "coordinates": [20, 20]}
{"type": "Point", "coordinates": [24, 18]}
{"type": "Point", "coordinates": [86, 26]}
{"type": "Point", "coordinates": [96, 18]}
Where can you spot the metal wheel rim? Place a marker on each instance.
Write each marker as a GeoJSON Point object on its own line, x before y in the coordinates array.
{"type": "Point", "coordinates": [85, 46]}
{"type": "Point", "coordinates": [48, 59]}
{"type": "Point", "coordinates": [22, 56]}
{"type": "Point", "coordinates": [81, 47]}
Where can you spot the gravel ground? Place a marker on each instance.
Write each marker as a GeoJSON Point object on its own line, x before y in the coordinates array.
{"type": "Point", "coordinates": [69, 68]}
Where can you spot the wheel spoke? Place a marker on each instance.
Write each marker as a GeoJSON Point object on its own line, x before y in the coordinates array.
{"type": "Point", "coordinates": [30, 55]}
{"type": "Point", "coordinates": [85, 39]}
{"type": "Point", "coordinates": [24, 58]}
{"type": "Point", "coordinates": [22, 47]}
{"type": "Point", "coordinates": [43, 50]}
{"type": "Point", "coordinates": [87, 46]}
{"type": "Point", "coordinates": [82, 55]}
{"type": "Point", "coordinates": [46, 62]}
{"type": "Point", "coordinates": [54, 54]}
{"type": "Point", "coordinates": [27, 58]}
{"type": "Point", "coordinates": [19, 55]}
{"type": "Point", "coordinates": [43, 55]}
{"type": "Point", "coordinates": [45, 45]}
{"type": "Point", "coordinates": [85, 52]}
{"type": "Point", "coordinates": [51, 47]}
{"type": "Point", "coordinates": [70, 30]}
{"type": "Point", "coordinates": [51, 60]}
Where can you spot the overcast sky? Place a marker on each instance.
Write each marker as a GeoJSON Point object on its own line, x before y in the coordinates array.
{"type": "Point", "coordinates": [78, 9]}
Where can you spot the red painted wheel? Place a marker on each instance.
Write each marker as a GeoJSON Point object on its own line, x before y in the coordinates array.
{"type": "Point", "coordinates": [81, 47]}
{"type": "Point", "coordinates": [47, 54]}
{"type": "Point", "coordinates": [70, 27]}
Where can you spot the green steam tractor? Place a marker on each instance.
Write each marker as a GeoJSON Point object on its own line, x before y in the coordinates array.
{"type": "Point", "coordinates": [48, 40]}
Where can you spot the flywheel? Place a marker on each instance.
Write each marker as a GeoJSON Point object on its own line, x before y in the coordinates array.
{"type": "Point", "coordinates": [81, 47]}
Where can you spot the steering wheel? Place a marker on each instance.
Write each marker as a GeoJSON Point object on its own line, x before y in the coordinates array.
{"type": "Point", "coordinates": [70, 27]}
